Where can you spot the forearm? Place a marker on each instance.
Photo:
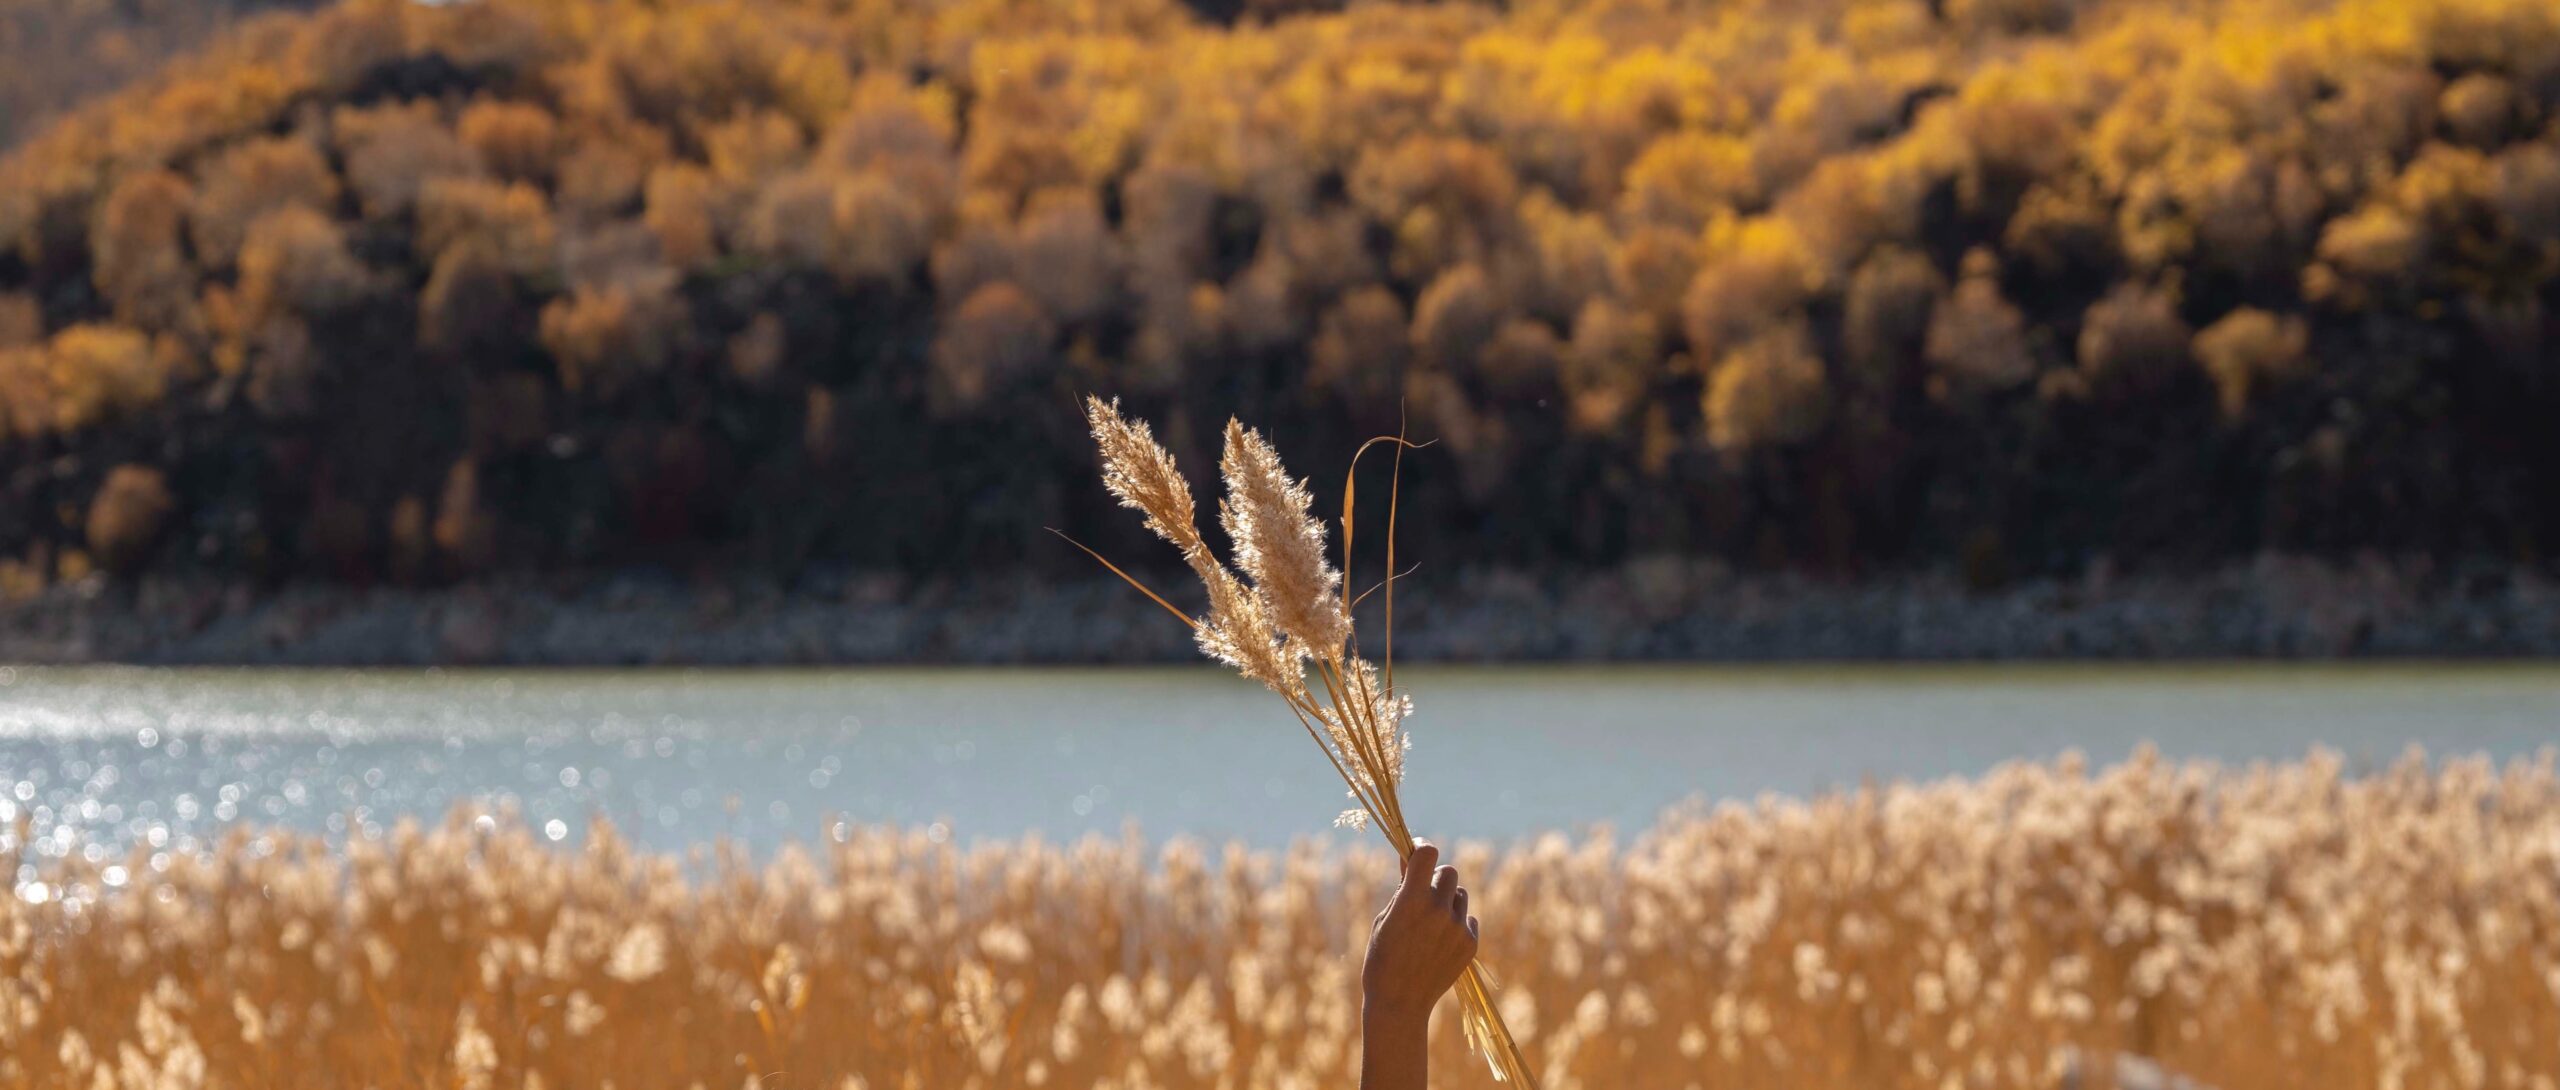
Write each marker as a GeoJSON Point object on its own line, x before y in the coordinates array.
{"type": "Point", "coordinates": [1421, 945]}
{"type": "Point", "coordinates": [1394, 1048]}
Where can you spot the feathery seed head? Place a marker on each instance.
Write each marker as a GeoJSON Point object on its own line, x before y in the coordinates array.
{"type": "Point", "coordinates": [1238, 632]}
{"type": "Point", "coordinates": [1139, 471]}
{"type": "Point", "coordinates": [1380, 715]}
{"type": "Point", "coordinates": [1279, 545]}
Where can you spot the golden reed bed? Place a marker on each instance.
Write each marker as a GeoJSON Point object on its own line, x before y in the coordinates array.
{"type": "Point", "coordinates": [2294, 926]}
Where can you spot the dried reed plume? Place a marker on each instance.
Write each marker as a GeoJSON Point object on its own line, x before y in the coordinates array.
{"type": "Point", "coordinates": [2278, 926]}
{"type": "Point", "coordinates": [1293, 623]}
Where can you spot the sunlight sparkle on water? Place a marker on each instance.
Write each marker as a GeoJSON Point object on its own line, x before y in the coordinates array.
{"type": "Point", "coordinates": [102, 760]}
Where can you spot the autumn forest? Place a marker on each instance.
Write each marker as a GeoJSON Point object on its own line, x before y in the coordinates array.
{"type": "Point", "coordinates": [390, 292]}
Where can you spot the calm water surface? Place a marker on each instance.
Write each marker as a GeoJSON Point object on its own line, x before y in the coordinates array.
{"type": "Point", "coordinates": [100, 759]}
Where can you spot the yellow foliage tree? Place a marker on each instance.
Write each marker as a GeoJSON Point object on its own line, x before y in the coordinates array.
{"type": "Point", "coordinates": [2248, 350]}
{"type": "Point", "coordinates": [1768, 392]}
{"type": "Point", "coordinates": [98, 371]}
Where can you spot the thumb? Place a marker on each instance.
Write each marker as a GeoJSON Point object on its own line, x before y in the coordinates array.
{"type": "Point", "coordinates": [1418, 866]}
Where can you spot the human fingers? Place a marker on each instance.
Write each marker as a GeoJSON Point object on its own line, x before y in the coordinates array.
{"type": "Point", "coordinates": [1458, 904]}
{"type": "Point", "coordinates": [1418, 867]}
{"type": "Point", "coordinates": [1444, 884]}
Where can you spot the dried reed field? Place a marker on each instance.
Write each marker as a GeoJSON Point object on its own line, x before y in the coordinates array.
{"type": "Point", "coordinates": [2295, 925]}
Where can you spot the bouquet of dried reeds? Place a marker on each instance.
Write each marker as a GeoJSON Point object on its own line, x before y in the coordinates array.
{"type": "Point", "coordinates": [1287, 624]}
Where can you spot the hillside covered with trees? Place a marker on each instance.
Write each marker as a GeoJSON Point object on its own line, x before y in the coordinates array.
{"type": "Point", "coordinates": [412, 293]}
{"type": "Point", "coordinates": [56, 53]}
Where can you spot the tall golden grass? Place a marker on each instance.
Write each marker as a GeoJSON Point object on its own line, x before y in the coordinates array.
{"type": "Point", "coordinates": [1292, 622]}
{"type": "Point", "coordinates": [2286, 926]}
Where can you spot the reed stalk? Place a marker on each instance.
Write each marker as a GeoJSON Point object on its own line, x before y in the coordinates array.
{"type": "Point", "coordinates": [1288, 619]}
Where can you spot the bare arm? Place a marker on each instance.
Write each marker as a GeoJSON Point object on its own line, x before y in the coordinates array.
{"type": "Point", "coordinates": [1422, 941]}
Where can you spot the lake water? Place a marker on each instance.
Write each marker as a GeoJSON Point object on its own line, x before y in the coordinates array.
{"type": "Point", "coordinates": [100, 759]}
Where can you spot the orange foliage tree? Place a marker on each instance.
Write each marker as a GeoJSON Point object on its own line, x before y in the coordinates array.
{"type": "Point", "coordinates": [430, 263]}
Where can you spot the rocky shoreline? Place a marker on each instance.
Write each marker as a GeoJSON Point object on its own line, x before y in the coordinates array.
{"type": "Point", "coordinates": [1658, 610]}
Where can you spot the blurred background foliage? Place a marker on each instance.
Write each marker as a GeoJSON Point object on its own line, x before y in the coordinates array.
{"type": "Point", "coordinates": [60, 52]}
{"type": "Point", "coordinates": [389, 291]}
